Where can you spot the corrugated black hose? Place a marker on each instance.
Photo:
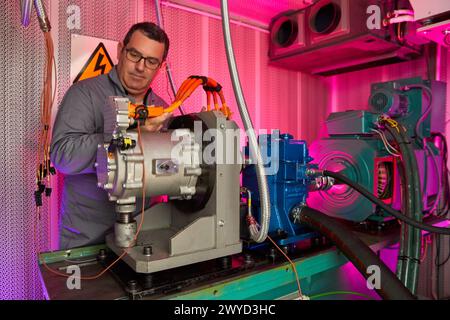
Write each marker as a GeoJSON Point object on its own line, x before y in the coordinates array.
{"type": "Point", "coordinates": [410, 269]}
{"type": "Point", "coordinates": [391, 288]}
{"type": "Point", "coordinates": [366, 193]}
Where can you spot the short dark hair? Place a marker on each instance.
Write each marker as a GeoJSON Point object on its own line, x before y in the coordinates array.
{"type": "Point", "coordinates": [152, 31]}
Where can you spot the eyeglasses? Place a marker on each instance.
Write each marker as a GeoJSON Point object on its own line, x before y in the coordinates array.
{"type": "Point", "coordinates": [149, 62]}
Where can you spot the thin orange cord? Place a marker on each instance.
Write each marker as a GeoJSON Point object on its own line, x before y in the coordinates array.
{"type": "Point", "coordinates": [137, 230]}
{"type": "Point", "coordinates": [300, 294]}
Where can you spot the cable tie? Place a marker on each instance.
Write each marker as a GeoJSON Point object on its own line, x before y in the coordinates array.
{"type": "Point", "coordinates": [250, 220]}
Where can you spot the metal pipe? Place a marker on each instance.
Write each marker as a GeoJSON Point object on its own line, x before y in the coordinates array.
{"type": "Point", "coordinates": [261, 235]}
{"type": "Point", "coordinates": [25, 9]}
{"type": "Point", "coordinates": [168, 70]}
{"type": "Point", "coordinates": [44, 23]}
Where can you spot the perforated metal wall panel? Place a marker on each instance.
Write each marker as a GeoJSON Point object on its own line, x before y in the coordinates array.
{"type": "Point", "coordinates": [22, 54]}
{"type": "Point", "coordinates": [22, 60]}
{"type": "Point", "coordinates": [102, 19]}
{"type": "Point", "coordinates": [245, 52]}
{"type": "Point", "coordinates": [257, 10]}
{"type": "Point", "coordinates": [185, 54]}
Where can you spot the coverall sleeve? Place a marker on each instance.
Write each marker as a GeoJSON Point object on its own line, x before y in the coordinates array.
{"type": "Point", "coordinates": [75, 136]}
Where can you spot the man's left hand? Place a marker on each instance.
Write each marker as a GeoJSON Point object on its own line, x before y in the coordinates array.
{"type": "Point", "coordinates": [155, 124]}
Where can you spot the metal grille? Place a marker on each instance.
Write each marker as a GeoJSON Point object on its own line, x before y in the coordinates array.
{"type": "Point", "coordinates": [257, 10]}
{"type": "Point", "coordinates": [278, 94]}
{"type": "Point", "coordinates": [184, 53]}
{"type": "Point", "coordinates": [244, 50]}
{"type": "Point", "coordinates": [102, 19]}
{"type": "Point", "coordinates": [22, 57]}
{"type": "Point", "coordinates": [22, 61]}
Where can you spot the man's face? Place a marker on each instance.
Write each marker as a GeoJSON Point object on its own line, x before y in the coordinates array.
{"type": "Point", "coordinates": [135, 76]}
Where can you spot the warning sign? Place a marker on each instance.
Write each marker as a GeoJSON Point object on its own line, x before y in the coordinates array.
{"type": "Point", "coordinates": [98, 63]}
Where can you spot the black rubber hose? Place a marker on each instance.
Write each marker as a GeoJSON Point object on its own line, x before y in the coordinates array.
{"type": "Point", "coordinates": [366, 193]}
{"type": "Point", "coordinates": [408, 199]}
{"type": "Point", "coordinates": [410, 272]}
{"type": "Point", "coordinates": [391, 288]}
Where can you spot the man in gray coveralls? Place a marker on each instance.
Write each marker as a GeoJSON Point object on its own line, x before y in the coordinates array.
{"type": "Point", "coordinates": [87, 214]}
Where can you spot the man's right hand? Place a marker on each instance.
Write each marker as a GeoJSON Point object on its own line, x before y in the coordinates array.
{"type": "Point", "coordinates": [155, 124]}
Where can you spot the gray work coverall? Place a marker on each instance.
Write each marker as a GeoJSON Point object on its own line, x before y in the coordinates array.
{"type": "Point", "coordinates": [86, 213]}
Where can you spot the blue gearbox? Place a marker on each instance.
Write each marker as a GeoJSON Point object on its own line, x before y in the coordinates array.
{"type": "Point", "coordinates": [285, 161]}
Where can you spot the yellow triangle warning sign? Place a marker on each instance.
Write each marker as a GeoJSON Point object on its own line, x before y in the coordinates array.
{"type": "Point", "coordinates": [98, 63]}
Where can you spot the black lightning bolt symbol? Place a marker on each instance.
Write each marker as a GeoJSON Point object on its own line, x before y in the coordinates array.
{"type": "Point", "coordinates": [98, 65]}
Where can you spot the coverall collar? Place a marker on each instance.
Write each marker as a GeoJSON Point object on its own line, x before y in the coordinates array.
{"type": "Point", "coordinates": [114, 77]}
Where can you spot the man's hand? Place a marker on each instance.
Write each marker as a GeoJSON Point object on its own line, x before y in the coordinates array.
{"type": "Point", "coordinates": [155, 124]}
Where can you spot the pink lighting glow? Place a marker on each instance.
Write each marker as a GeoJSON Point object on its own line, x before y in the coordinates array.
{"type": "Point", "coordinates": [257, 10]}
{"type": "Point", "coordinates": [293, 102]}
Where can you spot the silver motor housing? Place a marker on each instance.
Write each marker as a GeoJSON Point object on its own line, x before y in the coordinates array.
{"type": "Point", "coordinates": [201, 219]}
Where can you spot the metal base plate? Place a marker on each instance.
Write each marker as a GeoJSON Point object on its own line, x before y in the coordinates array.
{"type": "Point", "coordinates": [160, 258]}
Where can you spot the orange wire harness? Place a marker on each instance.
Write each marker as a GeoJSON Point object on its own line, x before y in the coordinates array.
{"type": "Point", "coordinates": [43, 156]}
{"type": "Point", "coordinates": [210, 86]}
{"type": "Point", "coordinates": [44, 168]}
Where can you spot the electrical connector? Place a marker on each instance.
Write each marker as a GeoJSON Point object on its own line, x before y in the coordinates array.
{"type": "Point", "coordinates": [38, 198]}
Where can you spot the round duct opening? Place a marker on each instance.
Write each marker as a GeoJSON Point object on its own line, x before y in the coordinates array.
{"type": "Point", "coordinates": [326, 18]}
{"type": "Point", "coordinates": [285, 32]}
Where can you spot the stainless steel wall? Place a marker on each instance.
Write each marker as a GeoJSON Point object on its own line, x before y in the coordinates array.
{"type": "Point", "coordinates": [22, 54]}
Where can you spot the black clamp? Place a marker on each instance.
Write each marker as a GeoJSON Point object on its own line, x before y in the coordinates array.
{"type": "Point", "coordinates": [203, 78]}
{"type": "Point", "coordinates": [141, 113]}
{"type": "Point", "coordinates": [217, 88]}
{"type": "Point", "coordinates": [122, 143]}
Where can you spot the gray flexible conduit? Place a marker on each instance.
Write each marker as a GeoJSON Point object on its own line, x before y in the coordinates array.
{"type": "Point", "coordinates": [253, 144]}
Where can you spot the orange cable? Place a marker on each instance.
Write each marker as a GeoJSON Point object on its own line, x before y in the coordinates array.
{"type": "Point", "coordinates": [226, 111]}
{"type": "Point", "coordinates": [211, 82]}
{"type": "Point", "coordinates": [191, 89]}
{"type": "Point", "coordinates": [183, 87]}
{"type": "Point", "coordinates": [191, 83]}
{"type": "Point", "coordinates": [216, 103]}
{"type": "Point", "coordinates": [300, 294]}
{"type": "Point", "coordinates": [208, 100]}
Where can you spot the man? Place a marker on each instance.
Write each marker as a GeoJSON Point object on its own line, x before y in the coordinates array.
{"type": "Point", "coordinates": [87, 214]}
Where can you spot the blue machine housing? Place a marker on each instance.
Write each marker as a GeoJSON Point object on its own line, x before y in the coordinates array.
{"type": "Point", "coordinates": [288, 160]}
